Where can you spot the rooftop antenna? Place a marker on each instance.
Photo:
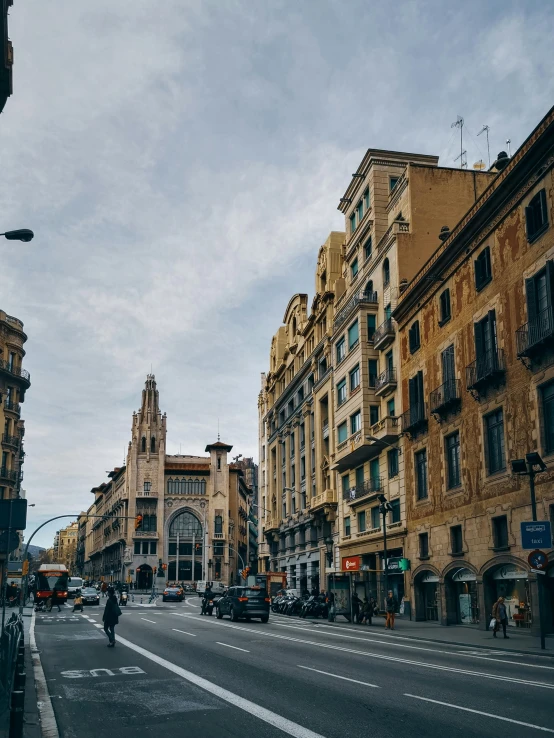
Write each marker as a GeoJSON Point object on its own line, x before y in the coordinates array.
{"type": "Point", "coordinates": [460, 124]}
{"type": "Point", "coordinates": [508, 142]}
{"type": "Point", "coordinates": [486, 129]}
{"type": "Point", "coordinates": [218, 438]}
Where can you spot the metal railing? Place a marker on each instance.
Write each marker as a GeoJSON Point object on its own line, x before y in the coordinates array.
{"type": "Point", "coordinates": [386, 328]}
{"type": "Point", "coordinates": [386, 377]}
{"type": "Point", "coordinates": [414, 417]}
{"type": "Point", "coordinates": [485, 368]}
{"type": "Point", "coordinates": [362, 297]}
{"type": "Point", "coordinates": [445, 396]}
{"type": "Point", "coordinates": [17, 371]}
{"type": "Point", "coordinates": [15, 407]}
{"type": "Point", "coordinates": [369, 487]}
{"type": "Point", "coordinates": [8, 474]}
{"type": "Point", "coordinates": [10, 440]}
{"type": "Point", "coordinates": [10, 640]}
{"type": "Point", "coordinates": [532, 334]}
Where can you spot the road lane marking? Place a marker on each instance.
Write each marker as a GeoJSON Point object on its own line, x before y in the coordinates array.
{"type": "Point", "coordinates": [272, 718]}
{"type": "Point", "coordinates": [149, 621]}
{"type": "Point", "coordinates": [185, 632]}
{"type": "Point", "coordinates": [336, 676]}
{"type": "Point", "coordinates": [480, 712]}
{"type": "Point", "coordinates": [235, 647]}
{"type": "Point", "coordinates": [382, 657]}
{"type": "Point", "coordinates": [97, 625]}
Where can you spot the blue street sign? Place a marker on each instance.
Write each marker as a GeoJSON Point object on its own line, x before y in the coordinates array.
{"type": "Point", "coordinates": [536, 534]}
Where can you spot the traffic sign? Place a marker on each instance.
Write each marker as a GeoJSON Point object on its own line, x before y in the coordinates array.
{"type": "Point", "coordinates": [351, 563]}
{"type": "Point", "coordinates": [536, 534]}
{"type": "Point", "coordinates": [537, 559]}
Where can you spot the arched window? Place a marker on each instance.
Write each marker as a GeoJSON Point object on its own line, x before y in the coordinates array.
{"type": "Point", "coordinates": [369, 288]}
{"type": "Point", "coordinates": [386, 272]}
{"type": "Point", "coordinates": [186, 524]}
{"type": "Point", "coordinates": [293, 327]}
{"type": "Point", "coordinates": [218, 524]}
{"type": "Point", "coordinates": [153, 445]}
{"type": "Point", "coordinates": [143, 445]}
{"type": "Point", "coordinates": [219, 462]}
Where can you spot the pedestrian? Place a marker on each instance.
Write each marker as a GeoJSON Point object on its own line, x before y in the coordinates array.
{"type": "Point", "coordinates": [390, 607]}
{"type": "Point", "coordinates": [104, 588]}
{"type": "Point", "coordinates": [356, 602]}
{"type": "Point", "coordinates": [55, 600]}
{"type": "Point", "coordinates": [78, 601]}
{"type": "Point", "coordinates": [331, 608]}
{"type": "Point", "coordinates": [367, 612]}
{"type": "Point", "coordinates": [500, 615]}
{"type": "Point", "coordinates": [110, 617]}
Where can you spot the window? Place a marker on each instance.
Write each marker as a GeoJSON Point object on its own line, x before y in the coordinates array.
{"type": "Point", "coordinates": [483, 269]}
{"type": "Point", "coordinates": [353, 222]}
{"type": "Point", "coordinates": [538, 291]}
{"type": "Point", "coordinates": [389, 362]}
{"type": "Point", "coordinates": [360, 211]}
{"type": "Point", "coordinates": [392, 462]}
{"type": "Point", "coordinates": [302, 436]}
{"type": "Point", "coordinates": [292, 445]}
{"type": "Point", "coordinates": [284, 507]}
{"type": "Point", "coordinates": [293, 475]}
{"type": "Point", "coordinates": [374, 468]}
{"type": "Point", "coordinates": [500, 531]}
{"type": "Point", "coordinates": [372, 371]}
{"type": "Point", "coordinates": [356, 422]}
{"type": "Point", "coordinates": [354, 269]}
{"type": "Point", "coordinates": [547, 401]}
{"type": "Point", "coordinates": [421, 474]}
{"type": "Point", "coordinates": [145, 548]}
{"type": "Point", "coordinates": [424, 545]}
{"type": "Point", "coordinates": [153, 547]}
{"type": "Point", "coordinates": [353, 335]}
{"type": "Point", "coordinates": [347, 526]}
{"type": "Point", "coordinates": [219, 462]}
{"type": "Point", "coordinates": [368, 248]}
{"type": "Point", "coordinates": [218, 524]}
{"type": "Point", "coordinates": [452, 448]}
{"type": "Point", "coordinates": [361, 521]}
{"type": "Point", "coordinates": [386, 272]}
{"type": "Point", "coordinates": [137, 547]}
{"type": "Point", "coordinates": [373, 414]}
{"type": "Point", "coordinates": [355, 378]}
{"type": "Point", "coordinates": [393, 181]}
{"type": "Point", "coordinates": [345, 483]}
{"type": "Point", "coordinates": [375, 517]}
{"type": "Point", "coordinates": [359, 476]}
{"type": "Point", "coordinates": [456, 542]}
{"type": "Point", "coordinates": [341, 392]}
{"type": "Point", "coordinates": [371, 326]}
{"type": "Point", "coordinates": [414, 338]}
{"type": "Point", "coordinates": [153, 445]}
{"type": "Point", "coordinates": [394, 515]}
{"type": "Point", "coordinates": [444, 306]}
{"type": "Point", "coordinates": [147, 486]}
{"type": "Point", "coordinates": [366, 198]}
{"type": "Point", "coordinates": [143, 445]}
{"type": "Point", "coordinates": [341, 350]}
{"type": "Point", "coordinates": [388, 311]}
{"type": "Point", "coordinates": [536, 216]}
{"type": "Point", "coordinates": [494, 441]}
{"type": "Point", "coordinates": [342, 432]}
{"type": "Point", "coordinates": [390, 408]}
{"type": "Point", "coordinates": [415, 394]}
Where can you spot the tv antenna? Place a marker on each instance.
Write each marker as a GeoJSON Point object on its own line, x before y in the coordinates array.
{"type": "Point", "coordinates": [460, 124]}
{"type": "Point", "coordinates": [486, 129]}
{"type": "Point", "coordinates": [508, 143]}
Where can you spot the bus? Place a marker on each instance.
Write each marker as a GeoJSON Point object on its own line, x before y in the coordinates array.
{"type": "Point", "coordinates": [52, 578]}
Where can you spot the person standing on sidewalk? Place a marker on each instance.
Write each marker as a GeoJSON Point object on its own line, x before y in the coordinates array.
{"type": "Point", "coordinates": [500, 614]}
{"type": "Point", "coordinates": [390, 607]}
{"type": "Point", "coordinates": [111, 616]}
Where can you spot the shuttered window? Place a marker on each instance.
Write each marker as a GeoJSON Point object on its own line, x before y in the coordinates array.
{"type": "Point", "coordinates": [414, 337]}
{"type": "Point", "coordinates": [536, 216]}
{"type": "Point", "coordinates": [483, 269]}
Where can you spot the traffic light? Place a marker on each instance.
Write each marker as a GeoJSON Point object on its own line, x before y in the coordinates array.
{"type": "Point", "coordinates": [25, 568]}
{"type": "Point", "coordinates": [138, 522]}
{"type": "Point", "coordinates": [244, 572]}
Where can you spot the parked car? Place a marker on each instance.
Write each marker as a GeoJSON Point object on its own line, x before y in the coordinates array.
{"type": "Point", "coordinates": [174, 594]}
{"type": "Point", "coordinates": [90, 596]}
{"type": "Point", "coordinates": [244, 602]}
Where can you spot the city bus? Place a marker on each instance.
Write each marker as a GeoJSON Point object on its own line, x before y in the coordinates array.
{"type": "Point", "coordinates": [52, 578]}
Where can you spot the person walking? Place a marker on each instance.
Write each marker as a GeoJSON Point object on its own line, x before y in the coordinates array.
{"type": "Point", "coordinates": [500, 614]}
{"type": "Point", "coordinates": [390, 607]}
{"type": "Point", "coordinates": [367, 612]}
{"type": "Point", "coordinates": [331, 608]}
{"type": "Point", "coordinates": [78, 601]}
{"type": "Point", "coordinates": [110, 617]}
{"type": "Point", "coordinates": [356, 602]}
{"type": "Point", "coordinates": [104, 589]}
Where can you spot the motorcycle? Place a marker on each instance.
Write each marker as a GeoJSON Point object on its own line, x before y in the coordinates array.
{"type": "Point", "coordinates": [314, 607]}
{"type": "Point", "coordinates": [207, 606]}
{"type": "Point", "coordinates": [123, 597]}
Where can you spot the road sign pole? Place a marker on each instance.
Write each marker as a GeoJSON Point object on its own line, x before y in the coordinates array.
{"type": "Point", "coordinates": [531, 473]}
{"type": "Point", "coordinates": [532, 491]}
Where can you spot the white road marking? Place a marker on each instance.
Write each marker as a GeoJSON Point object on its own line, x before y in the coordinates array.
{"type": "Point", "coordinates": [235, 647]}
{"type": "Point", "coordinates": [185, 632]}
{"type": "Point", "coordinates": [272, 718]}
{"type": "Point", "coordinates": [149, 621]}
{"type": "Point", "coordinates": [480, 712]}
{"type": "Point", "coordinates": [336, 676]}
{"type": "Point", "coordinates": [382, 657]}
{"type": "Point", "coordinates": [97, 625]}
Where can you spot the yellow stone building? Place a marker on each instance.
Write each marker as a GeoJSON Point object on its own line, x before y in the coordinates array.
{"type": "Point", "coordinates": [65, 546]}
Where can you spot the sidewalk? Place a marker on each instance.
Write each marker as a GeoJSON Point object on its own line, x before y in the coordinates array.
{"type": "Point", "coordinates": [31, 718]}
{"type": "Point", "coordinates": [520, 641]}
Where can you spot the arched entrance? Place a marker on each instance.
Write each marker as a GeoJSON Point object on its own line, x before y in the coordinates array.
{"type": "Point", "coordinates": [462, 601]}
{"type": "Point", "coordinates": [144, 576]}
{"type": "Point", "coordinates": [509, 580]}
{"type": "Point", "coordinates": [185, 542]}
{"type": "Point", "coordinates": [426, 590]}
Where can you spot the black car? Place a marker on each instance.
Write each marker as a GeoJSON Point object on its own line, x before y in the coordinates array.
{"type": "Point", "coordinates": [172, 593]}
{"type": "Point", "coordinates": [90, 596]}
{"type": "Point", "coordinates": [244, 602]}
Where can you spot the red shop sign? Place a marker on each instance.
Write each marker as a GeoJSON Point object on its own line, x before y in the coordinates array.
{"type": "Point", "coordinates": [351, 563]}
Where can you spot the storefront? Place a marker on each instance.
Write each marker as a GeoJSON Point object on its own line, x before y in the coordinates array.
{"type": "Point", "coordinates": [462, 601]}
{"type": "Point", "coordinates": [426, 589]}
{"type": "Point", "coordinates": [511, 582]}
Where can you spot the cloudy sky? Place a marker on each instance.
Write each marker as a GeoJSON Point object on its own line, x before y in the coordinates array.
{"type": "Point", "coordinates": [181, 163]}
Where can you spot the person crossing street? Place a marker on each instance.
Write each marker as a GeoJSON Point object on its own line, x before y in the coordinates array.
{"type": "Point", "coordinates": [110, 617]}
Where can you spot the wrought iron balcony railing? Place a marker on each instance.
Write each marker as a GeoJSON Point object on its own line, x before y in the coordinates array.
{"type": "Point", "coordinates": [414, 418]}
{"type": "Point", "coordinates": [534, 334]}
{"type": "Point", "coordinates": [386, 379]}
{"type": "Point", "coordinates": [486, 369]}
{"type": "Point", "coordinates": [8, 474]}
{"type": "Point", "coordinates": [15, 407]}
{"type": "Point", "coordinates": [362, 297]}
{"type": "Point", "coordinates": [10, 440]}
{"type": "Point", "coordinates": [446, 397]}
{"type": "Point", "coordinates": [369, 487]}
{"type": "Point", "coordinates": [16, 371]}
{"type": "Point", "coordinates": [384, 334]}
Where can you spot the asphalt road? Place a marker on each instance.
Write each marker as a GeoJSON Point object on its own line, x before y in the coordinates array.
{"type": "Point", "coordinates": [173, 669]}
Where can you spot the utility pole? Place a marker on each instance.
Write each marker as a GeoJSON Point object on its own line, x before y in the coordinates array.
{"type": "Point", "coordinates": [459, 123]}
{"type": "Point", "coordinates": [384, 508]}
{"type": "Point", "coordinates": [486, 129]}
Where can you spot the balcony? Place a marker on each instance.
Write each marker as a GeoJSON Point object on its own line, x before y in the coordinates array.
{"type": "Point", "coordinates": [445, 399]}
{"type": "Point", "coordinates": [363, 297]}
{"type": "Point", "coordinates": [271, 525]}
{"type": "Point", "coordinates": [325, 499]}
{"type": "Point", "coordinates": [13, 441]}
{"type": "Point", "coordinates": [533, 336]}
{"type": "Point", "coordinates": [384, 335]}
{"type": "Point", "coordinates": [15, 371]}
{"type": "Point", "coordinates": [325, 430]}
{"type": "Point", "coordinates": [414, 419]}
{"type": "Point", "coordinates": [385, 383]}
{"type": "Point", "coordinates": [13, 407]}
{"type": "Point", "coordinates": [369, 487]}
{"type": "Point", "coordinates": [8, 475]}
{"type": "Point", "coordinates": [485, 370]}
{"type": "Point", "coordinates": [386, 430]}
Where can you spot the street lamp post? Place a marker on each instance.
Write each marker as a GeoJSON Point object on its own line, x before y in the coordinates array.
{"type": "Point", "coordinates": [384, 508]}
{"type": "Point", "coordinates": [23, 234]}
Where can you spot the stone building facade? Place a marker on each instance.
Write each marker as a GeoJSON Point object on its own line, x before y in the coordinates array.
{"type": "Point", "coordinates": [65, 546]}
{"type": "Point", "coordinates": [394, 208]}
{"type": "Point", "coordinates": [477, 392]}
{"type": "Point", "coordinates": [193, 510]}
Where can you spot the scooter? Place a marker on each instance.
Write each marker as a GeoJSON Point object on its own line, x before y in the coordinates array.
{"type": "Point", "coordinates": [123, 597]}
{"type": "Point", "coordinates": [207, 606]}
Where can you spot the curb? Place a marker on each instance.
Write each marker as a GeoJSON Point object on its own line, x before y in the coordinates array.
{"type": "Point", "coordinates": [48, 725]}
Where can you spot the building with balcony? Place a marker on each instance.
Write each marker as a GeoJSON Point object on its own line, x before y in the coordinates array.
{"type": "Point", "coordinates": [65, 546]}
{"type": "Point", "coordinates": [394, 208]}
{"type": "Point", "coordinates": [478, 392]}
{"type": "Point", "coordinates": [297, 496]}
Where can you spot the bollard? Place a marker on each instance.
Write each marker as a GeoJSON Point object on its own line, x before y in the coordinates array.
{"type": "Point", "coordinates": [19, 681]}
{"type": "Point", "coordinates": [21, 656]}
{"type": "Point", "coordinates": [16, 714]}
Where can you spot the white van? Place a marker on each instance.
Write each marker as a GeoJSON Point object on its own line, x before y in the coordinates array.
{"type": "Point", "coordinates": [75, 583]}
{"type": "Point", "coordinates": [217, 588]}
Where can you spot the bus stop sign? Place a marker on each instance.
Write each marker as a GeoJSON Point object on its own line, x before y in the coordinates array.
{"type": "Point", "coordinates": [536, 534]}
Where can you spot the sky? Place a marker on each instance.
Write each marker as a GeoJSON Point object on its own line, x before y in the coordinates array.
{"type": "Point", "coordinates": [181, 163]}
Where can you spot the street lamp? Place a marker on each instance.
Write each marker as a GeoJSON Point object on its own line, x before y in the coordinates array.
{"type": "Point", "coordinates": [384, 508]}
{"type": "Point", "coordinates": [530, 466]}
{"type": "Point", "coordinates": [23, 234]}
{"type": "Point", "coordinates": [329, 550]}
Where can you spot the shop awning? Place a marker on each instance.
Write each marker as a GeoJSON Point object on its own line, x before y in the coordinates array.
{"type": "Point", "coordinates": [510, 571]}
